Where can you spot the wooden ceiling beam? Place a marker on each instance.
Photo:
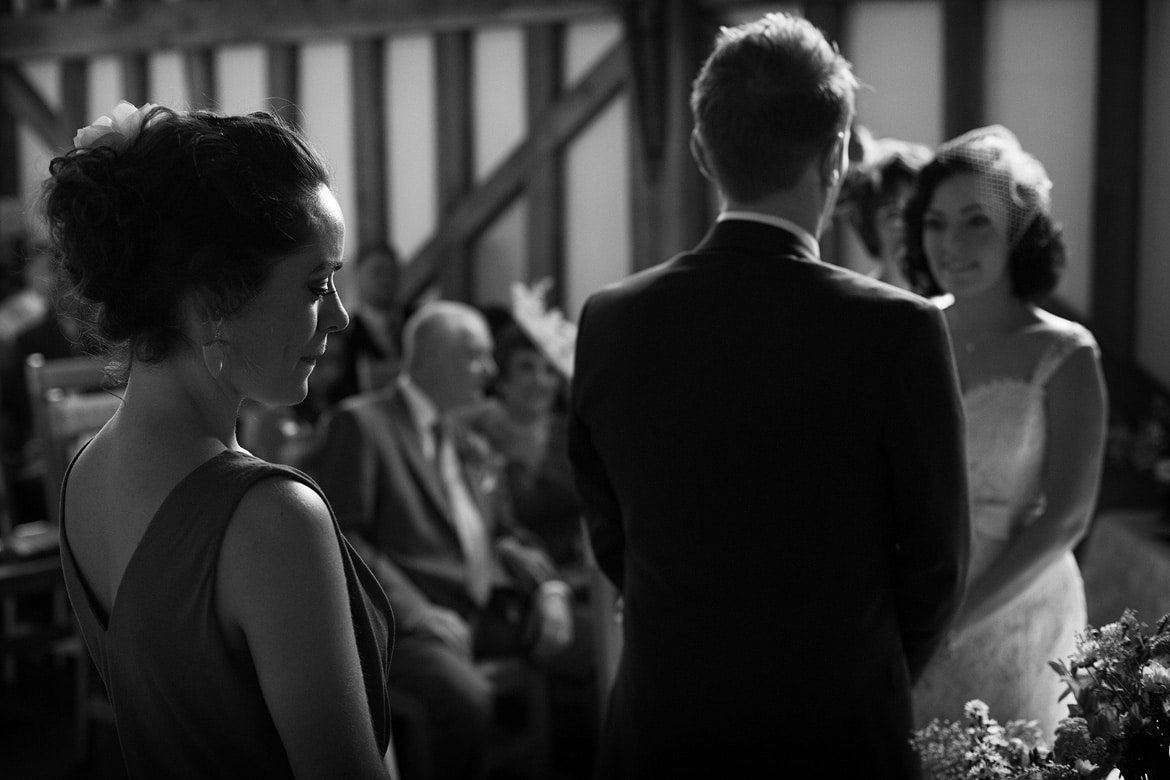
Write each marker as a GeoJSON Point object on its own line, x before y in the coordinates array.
{"type": "Point", "coordinates": [135, 27]}
{"type": "Point", "coordinates": [546, 186]}
{"type": "Point", "coordinates": [368, 58]}
{"type": "Point", "coordinates": [1118, 168]}
{"type": "Point", "coordinates": [471, 213]}
{"type": "Point", "coordinates": [284, 79]}
{"type": "Point", "coordinates": [25, 103]}
{"type": "Point", "coordinates": [456, 149]}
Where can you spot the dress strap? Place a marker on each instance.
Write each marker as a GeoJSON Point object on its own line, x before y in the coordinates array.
{"type": "Point", "coordinates": [1063, 344]}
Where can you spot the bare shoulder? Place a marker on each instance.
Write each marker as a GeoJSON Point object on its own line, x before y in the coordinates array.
{"type": "Point", "coordinates": [1070, 363]}
{"type": "Point", "coordinates": [279, 515]}
{"type": "Point", "coordinates": [279, 555]}
{"type": "Point", "coordinates": [1059, 330]}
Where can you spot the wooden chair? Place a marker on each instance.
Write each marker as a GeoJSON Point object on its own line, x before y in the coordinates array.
{"type": "Point", "coordinates": [519, 742]}
{"type": "Point", "coordinates": [71, 400]}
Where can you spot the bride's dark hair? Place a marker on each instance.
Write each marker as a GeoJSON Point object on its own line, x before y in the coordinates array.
{"type": "Point", "coordinates": [1009, 180]}
{"type": "Point", "coordinates": [193, 208]}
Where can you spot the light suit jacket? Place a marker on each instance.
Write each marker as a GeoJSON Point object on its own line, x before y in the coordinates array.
{"type": "Point", "coordinates": [386, 492]}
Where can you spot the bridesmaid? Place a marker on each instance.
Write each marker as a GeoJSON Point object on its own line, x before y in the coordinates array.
{"type": "Point", "coordinates": [236, 631]}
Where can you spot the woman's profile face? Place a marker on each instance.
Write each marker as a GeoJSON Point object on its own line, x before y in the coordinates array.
{"type": "Point", "coordinates": [274, 344]}
{"type": "Point", "coordinates": [529, 383]}
{"type": "Point", "coordinates": [965, 249]}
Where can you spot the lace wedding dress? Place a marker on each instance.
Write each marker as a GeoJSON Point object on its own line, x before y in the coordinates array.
{"type": "Point", "coordinates": [1003, 659]}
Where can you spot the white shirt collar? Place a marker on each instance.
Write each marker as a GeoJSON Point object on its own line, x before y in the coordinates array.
{"type": "Point", "coordinates": [805, 237]}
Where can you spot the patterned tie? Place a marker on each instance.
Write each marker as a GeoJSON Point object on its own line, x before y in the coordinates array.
{"type": "Point", "coordinates": [465, 516]}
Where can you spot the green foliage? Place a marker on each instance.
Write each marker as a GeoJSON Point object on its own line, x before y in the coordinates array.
{"type": "Point", "coordinates": [1119, 679]}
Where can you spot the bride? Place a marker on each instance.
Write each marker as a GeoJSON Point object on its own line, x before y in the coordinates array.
{"type": "Point", "coordinates": [980, 228]}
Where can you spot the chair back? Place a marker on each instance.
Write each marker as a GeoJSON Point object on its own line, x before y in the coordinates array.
{"type": "Point", "coordinates": [71, 400]}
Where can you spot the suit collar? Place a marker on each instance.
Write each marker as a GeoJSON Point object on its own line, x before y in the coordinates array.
{"type": "Point", "coordinates": [409, 438]}
{"type": "Point", "coordinates": [423, 464]}
{"type": "Point", "coordinates": [423, 412]}
{"type": "Point", "coordinates": [742, 236]}
{"type": "Point", "coordinates": [775, 220]}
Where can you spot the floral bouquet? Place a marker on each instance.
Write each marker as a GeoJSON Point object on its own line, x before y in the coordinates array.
{"type": "Point", "coordinates": [1120, 680]}
{"type": "Point", "coordinates": [979, 748]}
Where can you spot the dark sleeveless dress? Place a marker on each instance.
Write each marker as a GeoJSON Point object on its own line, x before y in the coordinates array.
{"type": "Point", "coordinates": [185, 703]}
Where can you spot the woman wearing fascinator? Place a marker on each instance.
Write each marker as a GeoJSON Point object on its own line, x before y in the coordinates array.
{"type": "Point", "coordinates": [980, 228]}
{"type": "Point", "coordinates": [524, 419]}
{"type": "Point", "coordinates": [236, 631]}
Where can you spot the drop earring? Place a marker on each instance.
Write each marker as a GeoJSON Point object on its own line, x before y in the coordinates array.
{"type": "Point", "coordinates": [213, 355]}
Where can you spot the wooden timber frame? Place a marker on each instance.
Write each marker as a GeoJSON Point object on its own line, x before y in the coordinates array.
{"type": "Point", "coordinates": [653, 65]}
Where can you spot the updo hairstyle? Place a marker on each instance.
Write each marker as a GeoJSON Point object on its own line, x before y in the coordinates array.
{"type": "Point", "coordinates": [194, 207]}
{"type": "Point", "coordinates": [1035, 261]}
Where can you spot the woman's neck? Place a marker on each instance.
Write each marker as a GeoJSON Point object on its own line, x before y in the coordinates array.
{"type": "Point", "coordinates": [990, 313]}
{"type": "Point", "coordinates": [178, 398]}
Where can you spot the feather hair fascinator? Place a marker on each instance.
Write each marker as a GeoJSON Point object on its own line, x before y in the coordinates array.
{"type": "Point", "coordinates": [553, 335]}
{"type": "Point", "coordinates": [1013, 186]}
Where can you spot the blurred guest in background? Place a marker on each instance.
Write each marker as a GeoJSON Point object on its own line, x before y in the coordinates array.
{"type": "Point", "coordinates": [23, 295]}
{"type": "Point", "coordinates": [524, 420]}
{"type": "Point", "coordinates": [421, 497]}
{"type": "Point", "coordinates": [237, 632]}
{"type": "Point", "coordinates": [873, 195]}
{"type": "Point", "coordinates": [980, 228]}
{"type": "Point", "coordinates": [49, 331]}
{"type": "Point", "coordinates": [370, 348]}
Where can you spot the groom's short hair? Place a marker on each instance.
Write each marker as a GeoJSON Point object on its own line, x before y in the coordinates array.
{"type": "Point", "coordinates": [773, 95]}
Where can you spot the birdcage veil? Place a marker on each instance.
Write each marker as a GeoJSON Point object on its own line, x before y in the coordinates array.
{"type": "Point", "coordinates": [1012, 185]}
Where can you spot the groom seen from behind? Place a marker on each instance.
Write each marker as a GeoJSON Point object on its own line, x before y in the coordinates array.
{"type": "Point", "coordinates": [788, 558]}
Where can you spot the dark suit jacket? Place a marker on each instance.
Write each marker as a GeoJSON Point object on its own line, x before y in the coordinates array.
{"type": "Point", "coordinates": [770, 450]}
{"type": "Point", "coordinates": [357, 344]}
{"type": "Point", "coordinates": [387, 493]}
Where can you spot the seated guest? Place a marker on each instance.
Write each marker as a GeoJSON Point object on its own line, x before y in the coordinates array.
{"type": "Point", "coordinates": [421, 499]}
{"type": "Point", "coordinates": [53, 333]}
{"type": "Point", "coordinates": [22, 302]}
{"type": "Point", "coordinates": [370, 347]}
{"type": "Point", "coordinates": [524, 420]}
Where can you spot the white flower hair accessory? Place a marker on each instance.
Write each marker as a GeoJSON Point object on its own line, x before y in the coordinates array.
{"type": "Point", "coordinates": [116, 129]}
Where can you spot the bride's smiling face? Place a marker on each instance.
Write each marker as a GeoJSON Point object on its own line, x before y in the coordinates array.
{"type": "Point", "coordinates": [966, 250]}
